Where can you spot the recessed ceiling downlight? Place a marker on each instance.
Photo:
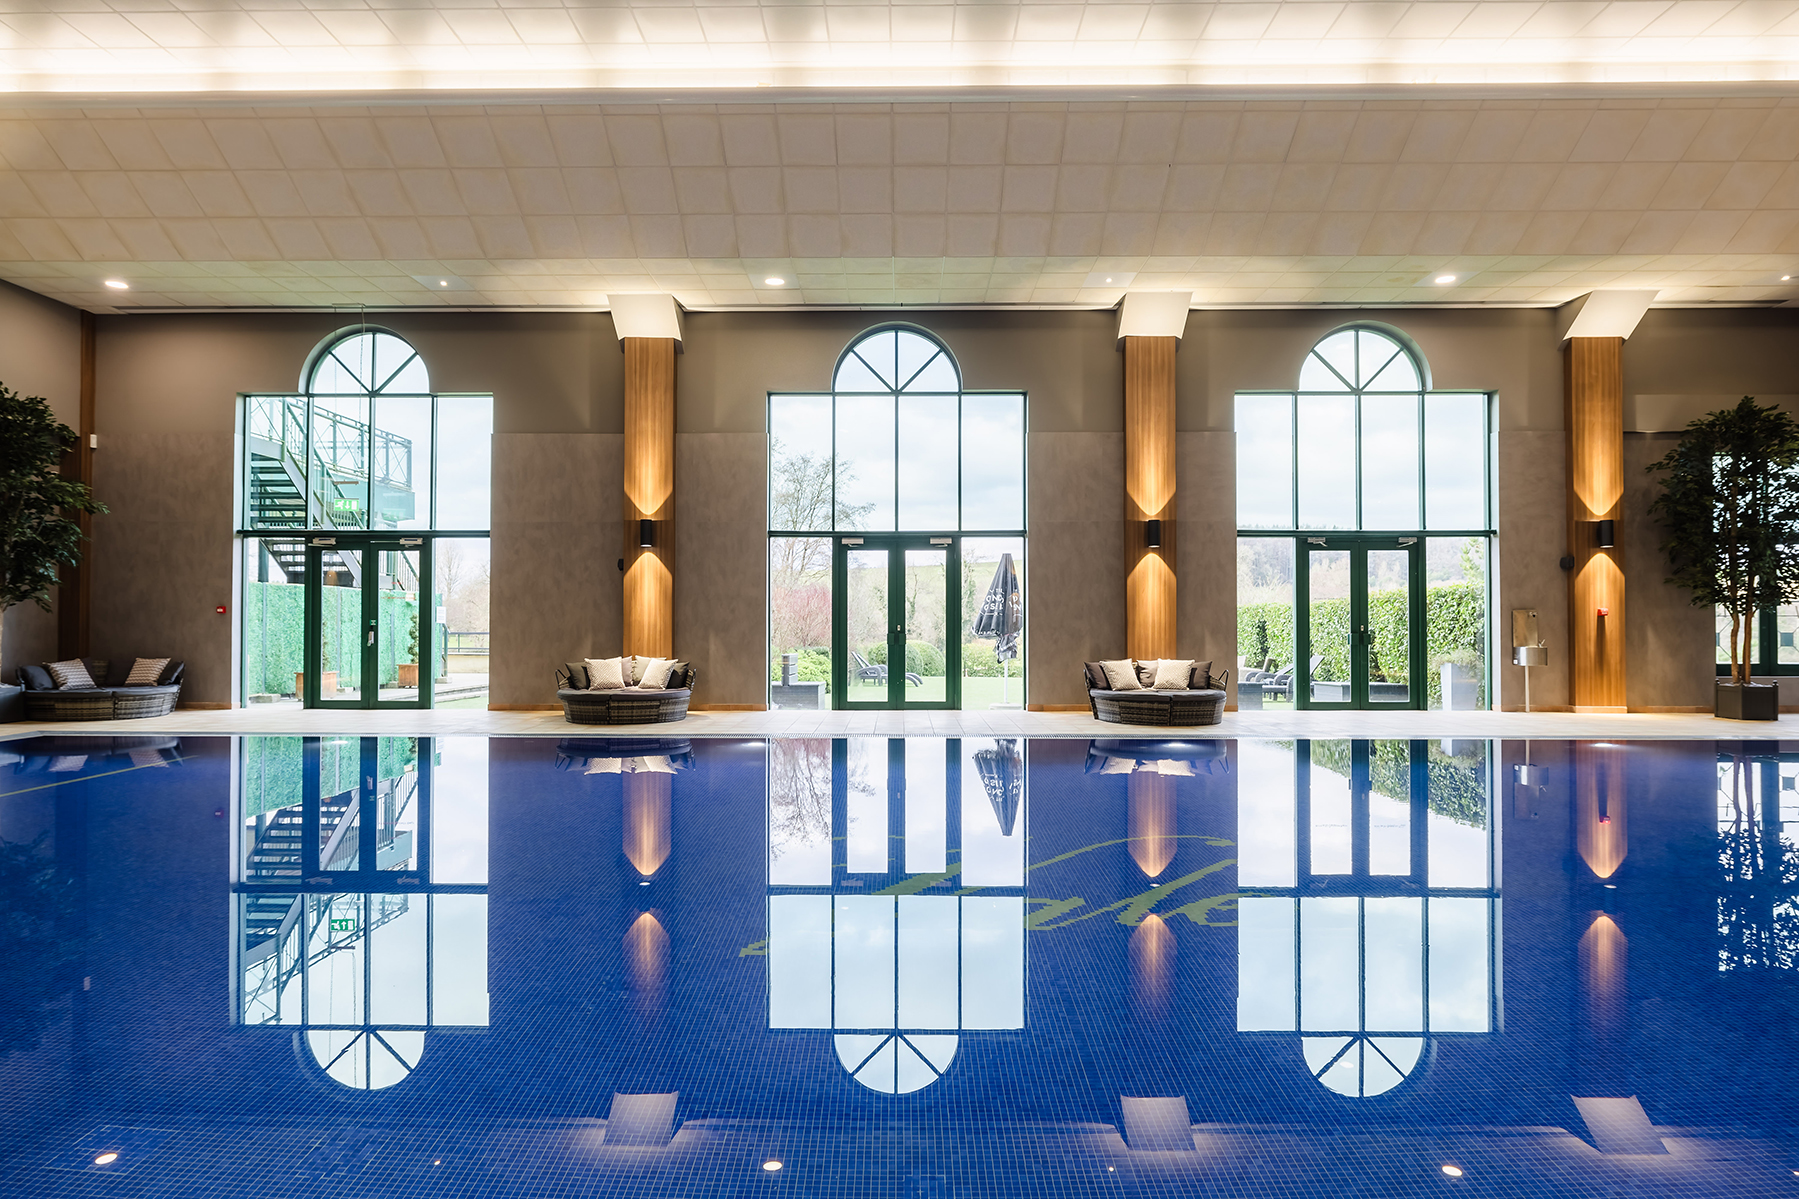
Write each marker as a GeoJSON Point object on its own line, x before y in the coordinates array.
{"type": "Point", "coordinates": [1445, 279]}
{"type": "Point", "coordinates": [775, 281]}
{"type": "Point", "coordinates": [118, 285]}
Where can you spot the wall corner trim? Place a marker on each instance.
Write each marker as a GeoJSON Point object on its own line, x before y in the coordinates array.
{"type": "Point", "coordinates": [1602, 314]}
{"type": "Point", "coordinates": [646, 315]}
{"type": "Point", "coordinates": [1153, 314]}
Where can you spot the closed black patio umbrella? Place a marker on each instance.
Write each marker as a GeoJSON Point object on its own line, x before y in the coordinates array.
{"type": "Point", "coordinates": [1001, 617]}
{"type": "Point", "coordinates": [1002, 774]}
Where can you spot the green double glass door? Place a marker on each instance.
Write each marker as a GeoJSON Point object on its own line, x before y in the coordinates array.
{"type": "Point", "coordinates": [368, 624]}
{"type": "Point", "coordinates": [896, 628]}
{"type": "Point", "coordinates": [1360, 625]}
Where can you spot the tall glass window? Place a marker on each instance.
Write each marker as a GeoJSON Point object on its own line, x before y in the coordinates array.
{"type": "Point", "coordinates": [896, 446]}
{"type": "Point", "coordinates": [365, 446]}
{"type": "Point", "coordinates": [1363, 446]}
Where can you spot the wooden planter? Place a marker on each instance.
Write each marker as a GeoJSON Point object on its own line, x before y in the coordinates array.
{"type": "Point", "coordinates": [409, 674]}
{"type": "Point", "coordinates": [327, 685]}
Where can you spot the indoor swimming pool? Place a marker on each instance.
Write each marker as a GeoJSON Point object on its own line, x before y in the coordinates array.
{"type": "Point", "coordinates": [924, 968]}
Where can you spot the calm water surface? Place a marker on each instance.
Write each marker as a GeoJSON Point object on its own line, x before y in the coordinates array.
{"type": "Point", "coordinates": [293, 967]}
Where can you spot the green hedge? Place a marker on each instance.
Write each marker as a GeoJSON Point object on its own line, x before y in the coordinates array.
{"type": "Point", "coordinates": [922, 658]}
{"type": "Point", "coordinates": [1458, 786]}
{"type": "Point", "coordinates": [274, 635]}
{"type": "Point", "coordinates": [274, 768]}
{"type": "Point", "coordinates": [814, 666]}
{"type": "Point", "coordinates": [1454, 629]}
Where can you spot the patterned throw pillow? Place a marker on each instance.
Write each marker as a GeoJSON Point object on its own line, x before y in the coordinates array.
{"type": "Point", "coordinates": [145, 672]}
{"type": "Point", "coordinates": [71, 675]}
{"type": "Point", "coordinates": [1173, 674]}
{"type": "Point", "coordinates": [605, 674]}
{"type": "Point", "coordinates": [1122, 674]}
{"type": "Point", "coordinates": [655, 673]}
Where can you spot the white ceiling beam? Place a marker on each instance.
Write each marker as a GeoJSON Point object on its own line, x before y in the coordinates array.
{"type": "Point", "coordinates": [651, 315]}
{"type": "Point", "coordinates": [1603, 314]}
{"type": "Point", "coordinates": [1153, 314]}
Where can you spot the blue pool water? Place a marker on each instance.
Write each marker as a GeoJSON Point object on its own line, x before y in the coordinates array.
{"type": "Point", "coordinates": [294, 967]}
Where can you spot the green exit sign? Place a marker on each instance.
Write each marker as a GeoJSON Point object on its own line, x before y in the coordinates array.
{"type": "Point", "coordinates": [343, 926]}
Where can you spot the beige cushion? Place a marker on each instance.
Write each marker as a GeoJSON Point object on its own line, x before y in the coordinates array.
{"type": "Point", "coordinates": [1173, 674]}
{"type": "Point", "coordinates": [603, 766]}
{"type": "Point", "coordinates": [655, 673]}
{"type": "Point", "coordinates": [71, 675]}
{"type": "Point", "coordinates": [1122, 674]}
{"type": "Point", "coordinates": [605, 674]}
{"type": "Point", "coordinates": [145, 672]}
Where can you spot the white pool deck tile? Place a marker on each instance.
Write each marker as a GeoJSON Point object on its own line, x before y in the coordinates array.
{"type": "Point", "coordinates": [1012, 723]}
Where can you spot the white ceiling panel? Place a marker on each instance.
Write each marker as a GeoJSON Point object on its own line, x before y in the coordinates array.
{"type": "Point", "coordinates": [1253, 202]}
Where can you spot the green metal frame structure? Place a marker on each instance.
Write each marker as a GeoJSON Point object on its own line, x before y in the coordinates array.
{"type": "Point", "coordinates": [896, 545]}
{"type": "Point", "coordinates": [368, 694]}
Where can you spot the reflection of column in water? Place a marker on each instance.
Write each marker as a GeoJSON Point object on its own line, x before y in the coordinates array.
{"type": "Point", "coordinates": [1152, 952]}
{"type": "Point", "coordinates": [1602, 833]}
{"type": "Point", "coordinates": [1604, 959]}
{"type": "Point", "coordinates": [1152, 821]}
{"type": "Point", "coordinates": [646, 961]}
{"type": "Point", "coordinates": [648, 802]}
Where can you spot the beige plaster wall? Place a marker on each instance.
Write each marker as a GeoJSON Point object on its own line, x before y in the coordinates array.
{"type": "Point", "coordinates": [555, 593]}
{"type": "Point", "coordinates": [1074, 584]}
{"type": "Point", "coordinates": [721, 564]}
{"type": "Point", "coordinates": [1667, 641]}
{"type": "Point", "coordinates": [1206, 556]}
{"type": "Point", "coordinates": [40, 354]}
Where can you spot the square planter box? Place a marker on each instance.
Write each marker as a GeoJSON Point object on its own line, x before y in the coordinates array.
{"type": "Point", "coordinates": [1757, 701]}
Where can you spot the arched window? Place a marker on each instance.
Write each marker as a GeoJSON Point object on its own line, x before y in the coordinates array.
{"type": "Point", "coordinates": [896, 445]}
{"type": "Point", "coordinates": [1353, 488]}
{"type": "Point", "coordinates": [366, 444]}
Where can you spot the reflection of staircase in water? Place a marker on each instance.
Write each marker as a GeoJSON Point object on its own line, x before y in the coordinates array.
{"type": "Point", "coordinates": [276, 857]}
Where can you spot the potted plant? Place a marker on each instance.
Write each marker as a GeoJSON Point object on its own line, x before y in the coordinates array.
{"type": "Point", "coordinates": [409, 670]}
{"type": "Point", "coordinates": [1729, 511]}
{"type": "Point", "coordinates": [38, 530]}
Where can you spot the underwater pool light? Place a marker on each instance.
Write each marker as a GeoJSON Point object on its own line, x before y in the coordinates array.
{"type": "Point", "coordinates": [771, 1165]}
{"type": "Point", "coordinates": [106, 1159]}
{"type": "Point", "coordinates": [1453, 1171]}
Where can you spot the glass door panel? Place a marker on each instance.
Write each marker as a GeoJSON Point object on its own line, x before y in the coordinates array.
{"type": "Point", "coordinates": [400, 671]}
{"type": "Point", "coordinates": [368, 634]}
{"type": "Point", "coordinates": [926, 644]}
{"type": "Point", "coordinates": [1386, 638]}
{"type": "Point", "coordinates": [864, 588]}
{"type": "Point", "coordinates": [335, 626]}
{"type": "Point", "coordinates": [895, 612]}
{"type": "Point", "coordinates": [1327, 667]}
{"type": "Point", "coordinates": [1361, 639]}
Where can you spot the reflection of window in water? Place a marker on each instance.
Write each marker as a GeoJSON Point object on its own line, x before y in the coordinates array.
{"type": "Point", "coordinates": [361, 905]}
{"type": "Point", "coordinates": [1365, 924]}
{"type": "Point", "coordinates": [1758, 862]}
{"type": "Point", "coordinates": [896, 977]}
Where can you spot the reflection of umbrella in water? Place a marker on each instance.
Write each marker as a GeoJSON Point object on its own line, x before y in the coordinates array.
{"type": "Point", "coordinates": [1001, 617]}
{"type": "Point", "coordinates": [1002, 774]}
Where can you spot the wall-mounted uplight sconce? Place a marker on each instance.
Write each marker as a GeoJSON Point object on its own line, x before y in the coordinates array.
{"type": "Point", "coordinates": [646, 534]}
{"type": "Point", "coordinates": [1606, 534]}
{"type": "Point", "coordinates": [1152, 531]}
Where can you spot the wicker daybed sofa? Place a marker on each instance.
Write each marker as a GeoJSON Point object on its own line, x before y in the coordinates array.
{"type": "Point", "coordinates": [110, 700]}
{"type": "Point", "coordinates": [1202, 702]}
{"type": "Point", "coordinates": [623, 705]}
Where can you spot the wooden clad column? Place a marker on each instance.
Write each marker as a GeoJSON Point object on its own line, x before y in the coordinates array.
{"type": "Point", "coordinates": [1149, 468]}
{"type": "Point", "coordinates": [1593, 384]}
{"type": "Point", "coordinates": [649, 609]}
{"type": "Point", "coordinates": [74, 587]}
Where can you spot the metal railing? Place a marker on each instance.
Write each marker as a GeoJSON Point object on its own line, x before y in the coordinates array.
{"type": "Point", "coordinates": [465, 643]}
{"type": "Point", "coordinates": [339, 443]}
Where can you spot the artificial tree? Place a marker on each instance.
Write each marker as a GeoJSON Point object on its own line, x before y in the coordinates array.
{"type": "Point", "coordinates": [38, 530]}
{"type": "Point", "coordinates": [1729, 512]}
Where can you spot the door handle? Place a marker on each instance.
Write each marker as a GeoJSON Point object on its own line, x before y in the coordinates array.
{"type": "Point", "coordinates": [371, 639]}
